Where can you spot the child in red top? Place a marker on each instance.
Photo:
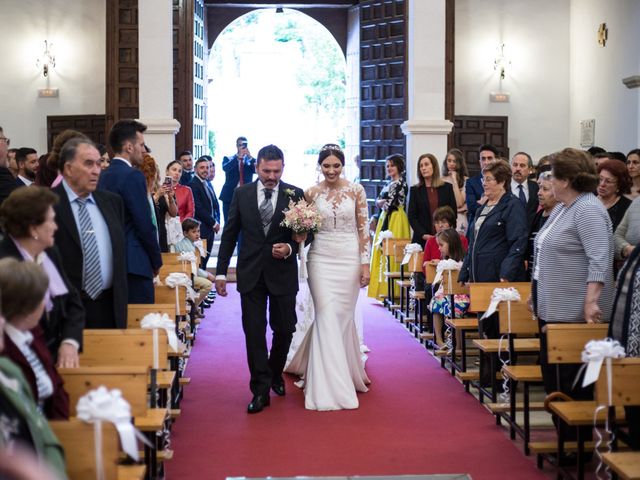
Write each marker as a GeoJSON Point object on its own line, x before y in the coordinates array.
{"type": "Point", "coordinates": [443, 219]}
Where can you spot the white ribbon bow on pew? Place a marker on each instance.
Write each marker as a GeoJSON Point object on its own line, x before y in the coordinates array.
{"type": "Point", "coordinates": [501, 295]}
{"type": "Point", "coordinates": [191, 258]}
{"type": "Point", "coordinates": [154, 321]}
{"type": "Point", "coordinates": [102, 405]}
{"type": "Point", "coordinates": [200, 247]}
{"type": "Point", "coordinates": [410, 250]}
{"type": "Point", "coordinates": [595, 352]}
{"type": "Point", "coordinates": [383, 236]}
{"type": "Point", "coordinates": [449, 265]}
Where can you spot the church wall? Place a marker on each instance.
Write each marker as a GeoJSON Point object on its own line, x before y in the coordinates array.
{"type": "Point", "coordinates": [597, 90]}
{"type": "Point", "coordinates": [536, 37]}
{"type": "Point", "coordinates": [77, 31]}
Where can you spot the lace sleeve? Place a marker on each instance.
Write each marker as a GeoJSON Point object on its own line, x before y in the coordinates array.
{"type": "Point", "coordinates": [362, 218]}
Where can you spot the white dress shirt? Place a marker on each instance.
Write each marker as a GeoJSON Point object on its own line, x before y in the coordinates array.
{"type": "Point", "coordinates": [516, 191]}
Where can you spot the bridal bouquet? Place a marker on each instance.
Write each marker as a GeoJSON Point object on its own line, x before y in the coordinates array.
{"type": "Point", "coordinates": [302, 218]}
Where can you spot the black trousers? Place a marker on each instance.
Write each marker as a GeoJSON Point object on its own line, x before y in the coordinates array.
{"type": "Point", "coordinates": [264, 366]}
{"type": "Point", "coordinates": [99, 312]}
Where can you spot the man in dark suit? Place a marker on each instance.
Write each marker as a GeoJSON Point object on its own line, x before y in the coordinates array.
{"type": "Point", "coordinates": [27, 161]}
{"type": "Point", "coordinates": [238, 170]}
{"type": "Point", "coordinates": [106, 301]}
{"type": "Point", "coordinates": [186, 160]}
{"type": "Point", "coordinates": [473, 187]}
{"type": "Point", "coordinates": [267, 270]}
{"type": "Point", "coordinates": [207, 209]}
{"type": "Point", "coordinates": [142, 247]}
{"type": "Point", "coordinates": [524, 189]}
{"type": "Point", "coordinates": [7, 180]}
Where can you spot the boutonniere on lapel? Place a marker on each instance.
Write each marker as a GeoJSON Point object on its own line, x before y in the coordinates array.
{"type": "Point", "coordinates": [290, 192]}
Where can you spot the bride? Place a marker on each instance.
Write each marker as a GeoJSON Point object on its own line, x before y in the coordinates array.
{"type": "Point", "coordinates": [328, 358]}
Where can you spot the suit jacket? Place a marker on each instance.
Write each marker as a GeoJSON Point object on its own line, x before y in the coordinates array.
{"type": "Point", "coordinates": [473, 191]}
{"type": "Point", "coordinates": [44, 440]}
{"type": "Point", "coordinates": [66, 318]}
{"type": "Point", "coordinates": [69, 244]}
{"type": "Point", "coordinates": [203, 207]}
{"type": "Point", "coordinates": [56, 407]}
{"type": "Point", "coordinates": [232, 175]}
{"type": "Point", "coordinates": [532, 204]}
{"type": "Point", "coordinates": [255, 258]}
{"type": "Point", "coordinates": [142, 248]}
{"type": "Point", "coordinates": [185, 178]}
{"type": "Point", "coordinates": [419, 212]}
{"type": "Point", "coordinates": [499, 249]}
{"type": "Point", "coordinates": [7, 183]}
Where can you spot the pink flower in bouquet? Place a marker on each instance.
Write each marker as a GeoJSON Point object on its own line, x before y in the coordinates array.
{"type": "Point", "coordinates": [301, 217]}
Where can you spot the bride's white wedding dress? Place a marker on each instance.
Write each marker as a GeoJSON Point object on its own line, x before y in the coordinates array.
{"type": "Point", "coordinates": [328, 358]}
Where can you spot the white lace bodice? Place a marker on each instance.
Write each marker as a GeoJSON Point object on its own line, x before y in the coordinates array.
{"type": "Point", "coordinates": [343, 210]}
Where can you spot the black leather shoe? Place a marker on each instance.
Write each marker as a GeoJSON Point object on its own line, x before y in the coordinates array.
{"type": "Point", "coordinates": [278, 388]}
{"type": "Point", "coordinates": [258, 402]}
{"type": "Point", "coordinates": [205, 304]}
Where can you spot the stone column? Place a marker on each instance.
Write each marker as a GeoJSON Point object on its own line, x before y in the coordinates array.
{"type": "Point", "coordinates": [426, 128]}
{"type": "Point", "coordinates": [155, 78]}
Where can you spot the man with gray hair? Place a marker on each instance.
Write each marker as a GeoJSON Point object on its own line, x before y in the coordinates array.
{"type": "Point", "coordinates": [7, 180]}
{"type": "Point", "coordinates": [524, 189]}
{"type": "Point", "coordinates": [90, 236]}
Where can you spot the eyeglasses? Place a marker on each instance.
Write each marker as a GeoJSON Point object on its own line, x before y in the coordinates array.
{"type": "Point", "coordinates": [8, 140]}
{"type": "Point", "coordinates": [486, 179]}
{"type": "Point", "coordinates": [607, 181]}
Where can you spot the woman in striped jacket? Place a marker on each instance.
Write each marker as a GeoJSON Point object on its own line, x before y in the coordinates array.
{"type": "Point", "coordinates": [572, 271]}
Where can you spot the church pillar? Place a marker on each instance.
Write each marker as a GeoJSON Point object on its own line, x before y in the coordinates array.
{"type": "Point", "coordinates": [426, 128]}
{"type": "Point", "coordinates": [155, 65]}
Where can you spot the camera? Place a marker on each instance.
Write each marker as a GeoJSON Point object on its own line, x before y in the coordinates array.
{"type": "Point", "coordinates": [243, 144]}
{"type": "Point", "coordinates": [168, 182]}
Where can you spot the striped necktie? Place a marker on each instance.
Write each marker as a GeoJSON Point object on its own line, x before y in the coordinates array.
{"type": "Point", "coordinates": [91, 274]}
{"type": "Point", "coordinates": [43, 381]}
{"type": "Point", "coordinates": [266, 210]}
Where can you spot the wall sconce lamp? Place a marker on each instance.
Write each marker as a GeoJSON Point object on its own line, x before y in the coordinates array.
{"type": "Point", "coordinates": [47, 60]}
{"type": "Point", "coordinates": [501, 62]}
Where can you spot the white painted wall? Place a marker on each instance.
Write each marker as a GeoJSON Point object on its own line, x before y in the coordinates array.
{"type": "Point", "coordinates": [77, 31]}
{"type": "Point", "coordinates": [536, 38]}
{"type": "Point", "coordinates": [597, 90]}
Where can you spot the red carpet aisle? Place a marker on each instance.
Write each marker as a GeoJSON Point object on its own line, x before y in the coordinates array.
{"type": "Point", "coordinates": [415, 419]}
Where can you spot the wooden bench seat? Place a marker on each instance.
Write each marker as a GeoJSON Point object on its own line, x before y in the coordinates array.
{"type": "Point", "coordinates": [625, 464]}
{"type": "Point", "coordinates": [77, 437]}
{"type": "Point", "coordinates": [523, 373]}
{"type": "Point", "coordinates": [520, 407]}
{"type": "Point", "coordinates": [491, 345]}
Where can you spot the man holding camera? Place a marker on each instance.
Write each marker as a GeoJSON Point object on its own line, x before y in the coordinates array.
{"type": "Point", "coordinates": [238, 169]}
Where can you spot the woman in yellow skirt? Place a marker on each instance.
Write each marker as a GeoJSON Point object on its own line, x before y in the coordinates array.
{"type": "Point", "coordinates": [393, 218]}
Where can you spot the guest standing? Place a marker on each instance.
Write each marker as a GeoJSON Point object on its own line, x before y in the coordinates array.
{"type": "Point", "coordinates": [90, 236]}
{"type": "Point", "coordinates": [614, 183]}
{"type": "Point", "coordinates": [524, 189]}
{"type": "Point", "coordinates": [627, 235]}
{"type": "Point", "coordinates": [393, 218]}
{"type": "Point", "coordinates": [183, 194]}
{"type": "Point", "coordinates": [633, 167]}
{"type": "Point", "coordinates": [572, 276]}
{"type": "Point", "coordinates": [207, 207]}
{"type": "Point", "coordinates": [547, 202]}
{"type": "Point", "coordinates": [238, 170]}
{"type": "Point", "coordinates": [474, 188]}
{"type": "Point", "coordinates": [455, 172]}
{"type": "Point", "coordinates": [142, 248]}
{"type": "Point", "coordinates": [426, 196]}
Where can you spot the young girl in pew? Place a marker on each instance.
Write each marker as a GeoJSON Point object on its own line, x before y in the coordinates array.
{"type": "Point", "coordinates": [450, 247]}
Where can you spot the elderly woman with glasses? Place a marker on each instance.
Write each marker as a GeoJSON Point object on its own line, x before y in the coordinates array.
{"type": "Point", "coordinates": [547, 203]}
{"type": "Point", "coordinates": [614, 183]}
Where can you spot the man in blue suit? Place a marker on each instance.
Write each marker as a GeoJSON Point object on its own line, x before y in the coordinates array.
{"type": "Point", "coordinates": [238, 170]}
{"type": "Point", "coordinates": [473, 187]}
{"type": "Point", "coordinates": [124, 178]}
{"type": "Point", "coordinates": [207, 208]}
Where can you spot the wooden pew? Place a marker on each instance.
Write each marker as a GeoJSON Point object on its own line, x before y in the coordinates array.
{"type": "Point", "coordinates": [625, 373]}
{"type": "Point", "coordinates": [481, 292]}
{"type": "Point", "coordinates": [390, 247]}
{"type": "Point", "coordinates": [132, 382]}
{"type": "Point", "coordinates": [77, 439]}
{"type": "Point", "coordinates": [131, 347]}
{"type": "Point", "coordinates": [565, 343]}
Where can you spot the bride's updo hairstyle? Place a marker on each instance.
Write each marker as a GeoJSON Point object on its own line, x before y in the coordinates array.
{"type": "Point", "coordinates": [328, 150]}
{"type": "Point", "coordinates": [577, 167]}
